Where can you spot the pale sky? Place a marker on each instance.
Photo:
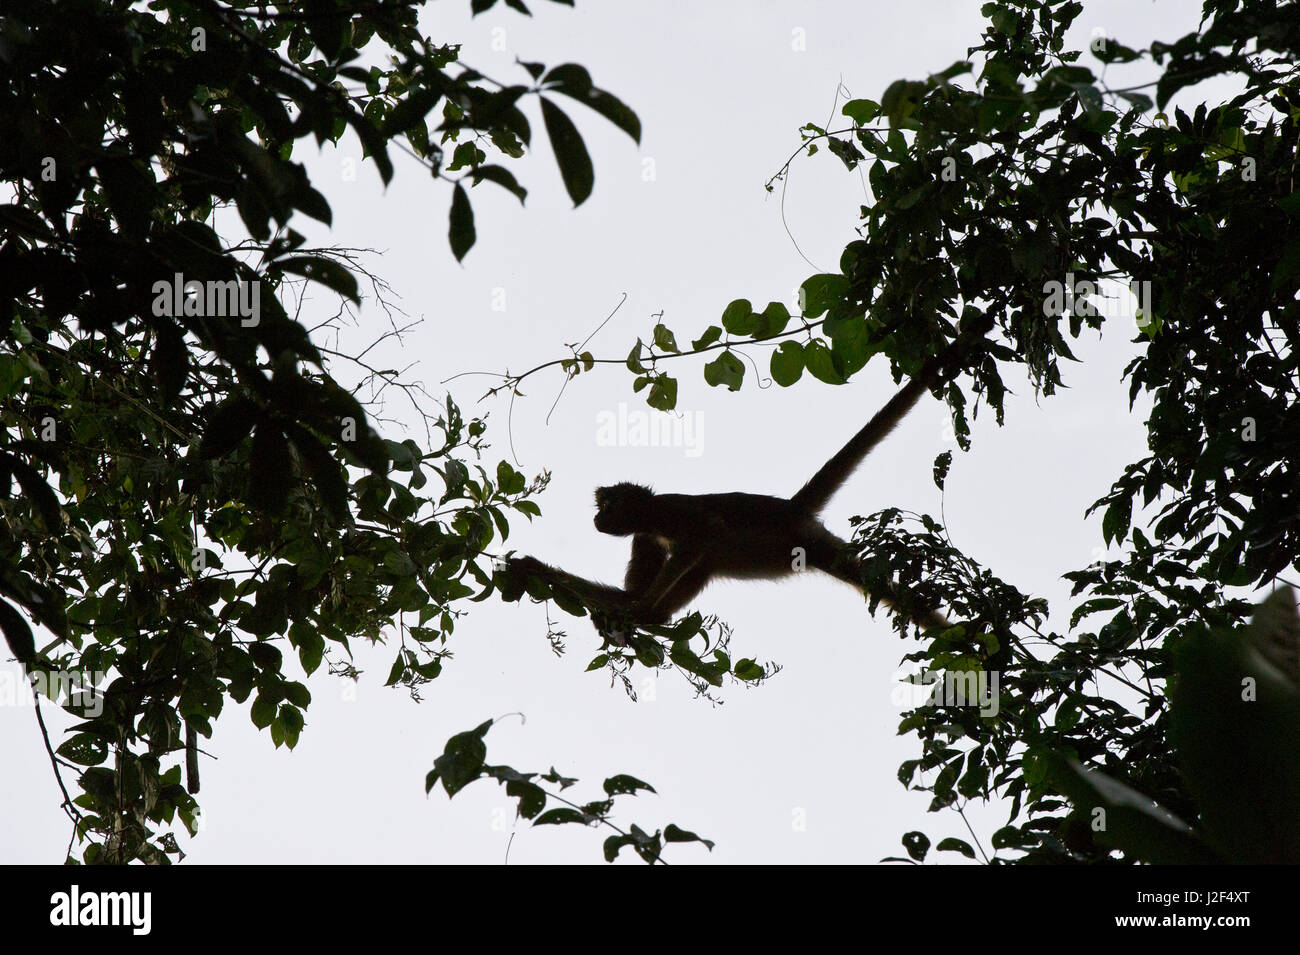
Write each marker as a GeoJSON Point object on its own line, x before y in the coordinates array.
{"type": "Point", "coordinates": [803, 768]}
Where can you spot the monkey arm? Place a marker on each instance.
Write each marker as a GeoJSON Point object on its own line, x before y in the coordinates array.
{"type": "Point", "coordinates": [649, 554]}
{"type": "Point", "coordinates": [589, 591]}
{"type": "Point", "coordinates": [658, 583]}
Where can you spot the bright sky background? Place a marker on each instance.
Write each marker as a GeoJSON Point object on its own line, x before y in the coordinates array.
{"type": "Point", "coordinates": [801, 769]}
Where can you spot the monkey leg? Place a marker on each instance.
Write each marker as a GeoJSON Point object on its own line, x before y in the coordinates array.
{"type": "Point", "coordinates": [835, 556]}
{"type": "Point", "coordinates": [685, 589]}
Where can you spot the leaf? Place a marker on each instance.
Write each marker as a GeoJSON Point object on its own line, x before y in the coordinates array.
{"type": "Point", "coordinates": [664, 339]}
{"type": "Point", "coordinates": [555, 817]}
{"type": "Point", "coordinates": [1288, 266]}
{"type": "Point", "coordinates": [376, 145]}
{"type": "Point", "coordinates": [411, 110]}
{"type": "Point", "coordinates": [461, 233]}
{"type": "Point", "coordinates": [18, 634]}
{"type": "Point", "coordinates": [820, 364]}
{"type": "Point", "coordinates": [711, 335]}
{"type": "Point", "coordinates": [941, 465]}
{"type": "Point", "coordinates": [748, 670]}
{"type": "Point", "coordinates": [917, 845]}
{"type": "Point", "coordinates": [1235, 724]}
{"type": "Point", "coordinates": [901, 99]}
{"type": "Point", "coordinates": [955, 845]}
{"type": "Point", "coordinates": [787, 364]}
{"type": "Point", "coordinates": [262, 712]}
{"type": "Point", "coordinates": [673, 833]}
{"type": "Point", "coordinates": [727, 370]}
{"type": "Point", "coordinates": [325, 271]}
{"type": "Point", "coordinates": [131, 190]}
{"type": "Point", "coordinates": [1133, 822]}
{"type": "Point", "coordinates": [503, 177]}
{"type": "Point", "coordinates": [84, 749]}
{"type": "Point", "coordinates": [311, 202]}
{"type": "Point", "coordinates": [634, 359]}
{"type": "Point", "coordinates": [570, 153]}
{"type": "Point", "coordinates": [532, 797]}
{"type": "Point", "coordinates": [771, 321]}
{"type": "Point", "coordinates": [1115, 522]}
{"type": "Point", "coordinates": [738, 318]}
{"type": "Point", "coordinates": [461, 761]}
{"type": "Point", "coordinates": [574, 81]}
{"type": "Point", "coordinates": [326, 473]}
{"type": "Point", "coordinates": [819, 292]}
{"type": "Point", "coordinates": [623, 783]}
{"type": "Point", "coordinates": [861, 111]}
{"type": "Point", "coordinates": [663, 393]}
{"type": "Point", "coordinates": [270, 469]}
{"type": "Point", "coordinates": [169, 362]}
{"type": "Point", "coordinates": [21, 220]}
{"type": "Point", "coordinates": [37, 491]}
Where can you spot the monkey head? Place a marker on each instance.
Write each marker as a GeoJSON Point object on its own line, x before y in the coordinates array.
{"type": "Point", "coordinates": [621, 509]}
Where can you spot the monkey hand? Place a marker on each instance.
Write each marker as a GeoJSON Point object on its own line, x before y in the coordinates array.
{"type": "Point", "coordinates": [512, 579]}
{"type": "Point", "coordinates": [613, 627]}
{"type": "Point", "coordinates": [524, 565]}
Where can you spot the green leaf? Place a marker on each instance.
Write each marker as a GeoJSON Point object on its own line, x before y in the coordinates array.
{"type": "Point", "coordinates": [18, 634]}
{"type": "Point", "coordinates": [634, 359]}
{"type": "Point", "coordinates": [37, 491]}
{"type": "Point", "coordinates": [861, 111]}
{"type": "Point", "coordinates": [664, 339]}
{"type": "Point", "coordinates": [503, 177]}
{"type": "Point", "coordinates": [711, 335]}
{"type": "Point", "coordinates": [326, 473]}
{"type": "Point", "coordinates": [663, 393]}
{"type": "Point", "coordinates": [772, 321]}
{"type": "Point", "coordinates": [819, 292]}
{"type": "Point", "coordinates": [84, 749]}
{"type": "Point", "coordinates": [956, 845]}
{"type": "Point", "coordinates": [1131, 821]}
{"type": "Point", "coordinates": [262, 711]}
{"type": "Point", "coordinates": [738, 318]}
{"type": "Point", "coordinates": [820, 364]}
{"type": "Point", "coordinates": [748, 670]}
{"type": "Point", "coordinates": [574, 80]}
{"type": "Point", "coordinates": [727, 370]}
{"type": "Point", "coordinates": [409, 111]}
{"type": "Point", "coordinates": [570, 153]}
{"type": "Point", "coordinates": [325, 271]}
{"type": "Point", "coordinates": [461, 761]}
{"type": "Point", "coordinates": [787, 364]}
{"type": "Point", "coordinates": [461, 233]}
{"type": "Point", "coordinates": [1115, 522]}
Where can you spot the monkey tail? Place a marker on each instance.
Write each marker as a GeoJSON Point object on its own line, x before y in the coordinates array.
{"type": "Point", "coordinates": [812, 497]}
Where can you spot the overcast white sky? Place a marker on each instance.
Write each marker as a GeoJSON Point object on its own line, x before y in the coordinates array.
{"type": "Point", "coordinates": [801, 769]}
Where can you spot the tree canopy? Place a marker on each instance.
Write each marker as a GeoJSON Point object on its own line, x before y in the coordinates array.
{"type": "Point", "coordinates": [190, 491]}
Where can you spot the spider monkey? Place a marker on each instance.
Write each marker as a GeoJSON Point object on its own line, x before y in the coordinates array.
{"type": "Point", "coordinates": [682, 541]}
